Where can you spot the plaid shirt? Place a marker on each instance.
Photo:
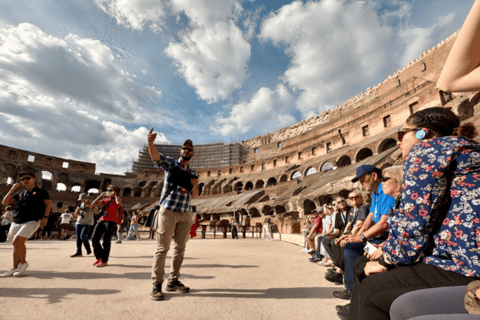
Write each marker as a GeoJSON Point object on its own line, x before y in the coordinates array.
{"type": "Point", "coordinates": [175, 199]}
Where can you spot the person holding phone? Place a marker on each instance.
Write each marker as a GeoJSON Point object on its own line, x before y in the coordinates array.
{"type": "Point", "coordinates": [32, 209]}
{"type": "Point", "coordinates": [175, 216]}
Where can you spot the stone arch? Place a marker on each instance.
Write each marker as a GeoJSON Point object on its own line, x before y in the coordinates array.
{"type": "Point", "coordinates": [326, 166]}
{"type": "Point", "coordinates": [266, 210]}
{"type": "Point", "coordinates": [200, 188]}
{"type": "Point", "coordinates": [308, 206]}
{"type": "Point", "coordinates": [363, 154]}
{"type": "Point", "coordinates": [344, 161]}
{"type": "Point", "coordinates": [295, 175]}
{"type": "Point", "coordinates": [238, 186]}
{"type": "Point", "coordinates": [208, 187]}
{"type": "Point", "coordinates": [62, 187]}
{"type": "Point", "coordinates": [137, 191]}
{"type": "Point", "coordinates": [228, 188]}
{"type": "Point", "coordinates": [91, 184]}
{"type": "Point", "coordinates": [271, 182]}
{"type": "Point", "coordinates": [11, 173]}
{"type": "Point", "coordinates": [298, 191]}
{"type": "Point", "coordinates": [283, 178]}
{"type": "Point", "coordinates": [254, 212]}
{"type": "Point", "coordinates": [259, 184]}
{"type": "Point", "coordinates": [106, 183]}
{"type": "Point", "coordinates": [249, 185]}
{"type": "Point", "coordinates": [309, 171]}
{"type": "Point", "coordinates": [76, 187]}
{"type": "Point", "coordinates": [325, 199]}
{"type": "Point", "coordinates": [386, 144]}
{"type": "Point", "coordinates": [280, 209]}
{"type": "Point", "coordinates": [63, 177]}
{"type": "Point", "coordinates": [127, 192]}
{"type": "Point", "coordinates": [47, 179]}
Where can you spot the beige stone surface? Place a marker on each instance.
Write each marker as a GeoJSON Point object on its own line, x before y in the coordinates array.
{"type": "Point", "coordinates": [229, 279]}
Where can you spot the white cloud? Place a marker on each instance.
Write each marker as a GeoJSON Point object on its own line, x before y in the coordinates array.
{"type": "Point", "coordinates": [63, 96]}
{"type": "Point", "coordinates": [268, 110]}
{"type": "Point", "coordinates": [81, 71]}
{"type": "Point", "coordinates": [334, 45]}
{"type": "Point", "coordinates": [212, 54]}
{"type": "Point", "coordinates": [417, 40]}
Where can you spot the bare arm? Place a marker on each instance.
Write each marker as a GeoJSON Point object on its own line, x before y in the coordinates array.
{"type": "Point", "coordinates": [357, 227]}
{"type": "Point", "coordinates": [366, 224]}
{"type": "Point", "coordinates": [8, 197]}
{"type": "Point", "coordinates": [154, 154]}
{"type": "Point", "coordinates": [48, 207]}
{"type": "Point", "coordinates": [195, 190]}
{"type": "Point", "coordinates": [461, 72]}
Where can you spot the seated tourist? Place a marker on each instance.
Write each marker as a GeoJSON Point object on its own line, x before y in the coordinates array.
{"type": "Point", "coordinates": [316, 229]}
{"type": "Point", "coordinates": [433, 234]}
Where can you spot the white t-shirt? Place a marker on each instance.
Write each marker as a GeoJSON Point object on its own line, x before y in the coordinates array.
{"type": "Point", "coordinates": [66, 218]}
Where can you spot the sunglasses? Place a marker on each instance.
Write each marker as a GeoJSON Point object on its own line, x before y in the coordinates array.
{"type": "Point", "coordinates": [402, 132]}
{"type": "Point", "coordinates": [187, 149]}
{"type": "Point", "coordinates": [26, 179]}
{"type": "Point", "coordinates": [341, 201]}
{"type": "Point", "coordinates": [385, 179]}
{"type": "Point", "coordinates": [353, 198]}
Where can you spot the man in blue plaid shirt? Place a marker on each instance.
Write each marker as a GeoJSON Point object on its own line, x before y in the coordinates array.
{"type": "Point", "coordinates": [174, 218]}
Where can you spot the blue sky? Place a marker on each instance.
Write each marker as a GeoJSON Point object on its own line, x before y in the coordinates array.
{"type": "Point", "coordinates": [87, 79]}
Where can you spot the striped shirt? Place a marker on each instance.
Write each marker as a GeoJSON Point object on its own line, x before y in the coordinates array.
{"type": "Point", "coordinates": [173, 197]}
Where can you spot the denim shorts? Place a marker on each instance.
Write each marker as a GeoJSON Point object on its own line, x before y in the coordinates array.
{"type": "Point", "coordinates": [25, 230]}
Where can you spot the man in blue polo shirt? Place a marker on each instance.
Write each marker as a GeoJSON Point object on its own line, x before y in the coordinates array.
{"type": "Point", "coordinates": [175, 216]}
{"type": "Point", "coordinates": [373, 229]}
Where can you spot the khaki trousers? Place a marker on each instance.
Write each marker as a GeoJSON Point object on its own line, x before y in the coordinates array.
{"type": "Point", "coordinates": [170, 225]}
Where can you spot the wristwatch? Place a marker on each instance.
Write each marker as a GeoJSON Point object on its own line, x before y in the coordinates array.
{"type": "Point", "coordinates": [362, 236]}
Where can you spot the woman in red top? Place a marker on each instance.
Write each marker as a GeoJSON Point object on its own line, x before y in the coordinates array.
{"type": "Point", "coordinates": [107, 224]}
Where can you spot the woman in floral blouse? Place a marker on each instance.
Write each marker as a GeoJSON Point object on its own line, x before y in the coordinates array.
{"type": "Point", "coordinates": [435, 234]}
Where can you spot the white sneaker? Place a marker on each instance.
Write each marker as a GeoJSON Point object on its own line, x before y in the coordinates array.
{"type": "Point", "coordinates": [303, 250]}
{"type": "Point", "coordinates": [20, 269]}
{"type": "Point", "coordinates": [309, 250]}
{"type": "Point", "coordinates": [9, 273]}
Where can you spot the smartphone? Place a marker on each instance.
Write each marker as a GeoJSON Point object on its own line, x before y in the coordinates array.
{"type": "Point", "coordinates": [369, 248]}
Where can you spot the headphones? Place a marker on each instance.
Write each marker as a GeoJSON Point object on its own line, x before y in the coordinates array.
{"type": "Point", "coordinates": [420, 134]}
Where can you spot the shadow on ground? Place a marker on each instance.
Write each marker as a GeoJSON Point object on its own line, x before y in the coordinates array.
{"type": "Point", "coordinates": [54, 295]}
{"type": "Point", "coordinates": [270, 293]}
{"type": "Point", "coordinates": [101, 275]}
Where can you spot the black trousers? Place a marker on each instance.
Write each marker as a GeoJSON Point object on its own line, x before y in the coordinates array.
{"type": "Point", "coordinates": [105, 230]}
{"type": "Point", "coordinates": [234, 232]}
{"type": "Point", "coordinates": [335, 251]}
{"type": "Point", "coordinates": [373, 296]}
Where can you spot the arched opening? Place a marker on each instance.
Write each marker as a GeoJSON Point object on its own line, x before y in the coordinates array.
{"type": "Point", "coordinates": [46, 180]}
{"type": "Point", "coordinates": [280, 209]}
{"type": "Point", "coordinates": [238, 186]}
{"type": "Point", "coordinates": [308, 206]}
{"type": "Point", "coordinates": [254, 212]}
{"type": "Point", "coordinates": [296, 175]}
{"type": "Point", "coordinates": [325, 199]}
{"type": "Point", "coordinates": [10, 181]}
{"type": "Point", "coordinates": [92, 191]}
{"type": "Point", "coordinates": [271, 182]}
{"type": "Point", "coordinates": [106, 183]}
{"type": "Point", "coordinates": [63, 177]}
{"type": "Point", "coordinates": [310, 170]}
{"type": "Point", "coordinates": [267, 211]}
{"type": "Point", "coordinates": [249, 185]}
{"type": "Point", "coordinates": [283, 178]}
{"type": "Point", "coordinates": [61, 187]}
{"type": "Point", "coordinates": [200, 188]}
{"type": "Point", "coordinates": [11, 172]}
{"type": "Point", "coordinates": [92, 184]}
{"type": "Point", "coordinates": [326, 166]}
{"type": "Point", "coordinates": [76, 188]}
{"type": "Point", "coordinates": [127, 192]}
{"type": "Point", "coordinates": [344, 161]}
{"type": "Point", "coordinates": [228, 188]}
{"type": "Point", "coordinates": [259, 184]}
{"type": "Point", "coordinates": [363, 154]}
{"type": "Point", "coordinates": [297, 192]}
{"type": "Point", "coordinates": [387, 144]}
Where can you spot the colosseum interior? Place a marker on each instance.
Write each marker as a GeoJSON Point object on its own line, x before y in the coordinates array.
{"type": "Point", "coordinates": [280, 176]}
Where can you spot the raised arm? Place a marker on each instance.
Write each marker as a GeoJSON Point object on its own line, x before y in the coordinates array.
{"type": "Point", "coordinates": [154, 154]}
{"type": "Point", "coordinates": [461, 71]}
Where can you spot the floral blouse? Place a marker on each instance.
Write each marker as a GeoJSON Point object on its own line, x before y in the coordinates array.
{"type": "Point", "coordinates": [440, 206]}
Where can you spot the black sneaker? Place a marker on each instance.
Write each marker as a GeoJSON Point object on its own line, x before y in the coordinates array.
{"type": "Point", "coordinates": [342, 294]}
{"type": "Point", "coordinates": [157, 293]}
{"type": "Point", "coordinates": [336, 277]}
{"type": "Point", "coordinates": [343, 309]}
{"type": "Point", "coordinates": [77, 254]}
{"type": "Point", "coordinates": [177, 286]}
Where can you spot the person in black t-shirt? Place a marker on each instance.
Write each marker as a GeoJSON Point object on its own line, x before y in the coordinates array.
{"type": "Point", "coordinates": [31, 212]}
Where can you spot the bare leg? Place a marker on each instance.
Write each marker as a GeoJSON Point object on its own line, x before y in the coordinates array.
{"type": "Point", "coordinates": [19, 251]}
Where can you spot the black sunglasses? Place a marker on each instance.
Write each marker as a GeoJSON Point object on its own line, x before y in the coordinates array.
{"type": "Point", "coordinates": [402, 132]}
{"type": "Point", "coordinates": [385, 179]}
{"type": "Point", "coordinates": [188, 149]}
{"type": "Point", "coordinates": [25, 179]}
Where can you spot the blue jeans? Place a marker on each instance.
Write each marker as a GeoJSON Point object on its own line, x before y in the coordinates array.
{"type": "Point", "coordinates": [133, 229]}
{"type": "Point", "coordinates": [82, 233]}
{"type": "Point", "coordinates": [351, 252]}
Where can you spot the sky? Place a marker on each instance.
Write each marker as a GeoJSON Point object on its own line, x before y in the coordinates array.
{"type": "Point", "coordinates": [87, 79]}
